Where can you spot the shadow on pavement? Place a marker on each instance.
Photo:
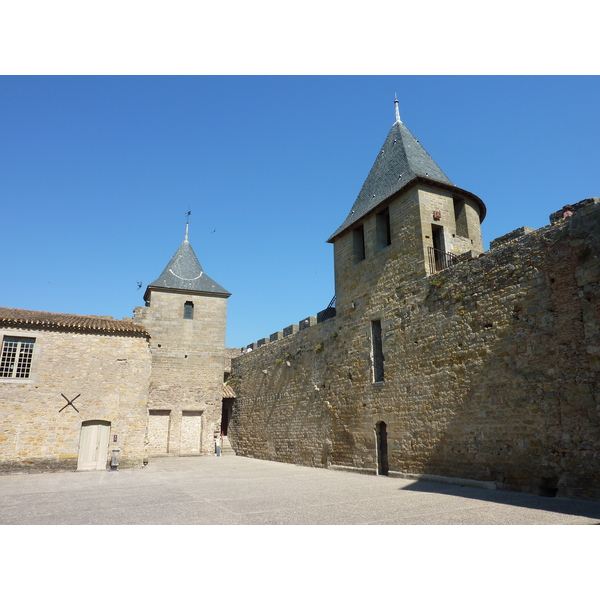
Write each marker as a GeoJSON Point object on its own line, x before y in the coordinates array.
{"type": "Point", "coordinates": [567, 506]}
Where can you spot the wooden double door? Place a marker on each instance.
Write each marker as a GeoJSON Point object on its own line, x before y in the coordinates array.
{"type": "Point", "coordinates": [93, 446]}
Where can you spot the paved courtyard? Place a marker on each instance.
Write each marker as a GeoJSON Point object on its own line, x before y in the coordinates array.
{"type": "Point", "coordinates": [233, 490]}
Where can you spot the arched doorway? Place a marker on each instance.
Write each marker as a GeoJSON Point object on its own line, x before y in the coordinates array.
{"type": "Point", "coordinates": [93, 446]}
{"type": "Point", "coordinates": [382, 448]}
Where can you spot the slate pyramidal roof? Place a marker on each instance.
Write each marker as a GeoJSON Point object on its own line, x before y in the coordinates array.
{"type": "Point", "coordinates": [184, 274]}
{"type": "Point", "coordinates": [401, 163]}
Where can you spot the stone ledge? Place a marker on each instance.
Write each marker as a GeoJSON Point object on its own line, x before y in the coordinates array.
{"type": "Point", "coordinates": [362, 470]}
{"type": "Point", "coordinates": [486, 485]}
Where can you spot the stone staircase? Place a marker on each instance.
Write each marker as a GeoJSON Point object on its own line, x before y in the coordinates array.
{"type": "Point", "coordinates": [226, 447]}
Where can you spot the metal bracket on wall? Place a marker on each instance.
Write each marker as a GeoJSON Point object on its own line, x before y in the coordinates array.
{"type": "Point", "coordinates": [69, 402]}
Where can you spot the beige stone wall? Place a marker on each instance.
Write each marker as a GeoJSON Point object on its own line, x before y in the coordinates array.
{"type": "Point", "coordinates": [411, 222]}
{"type": "Point", "coordinates": [492, 369]}
{"type": "Point", "coordinates": [355, 279]}
{"type": "Point", "coordinates": [462, 232]}
{"type": "Point", "coordinates": [109, 373]}
{"type": "Point", "coordinates": [188, 361]}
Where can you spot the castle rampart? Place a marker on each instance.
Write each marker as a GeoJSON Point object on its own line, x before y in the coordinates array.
{"type": "Point", "coordinates": [488, 370]}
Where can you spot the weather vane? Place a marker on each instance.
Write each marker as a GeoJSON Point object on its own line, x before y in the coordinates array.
{"type": "Point", "coordinates": [187, 215]}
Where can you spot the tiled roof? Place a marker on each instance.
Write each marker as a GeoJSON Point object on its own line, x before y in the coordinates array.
{"type": "Point", "coordinates": [400, 162]}
{"type": "Point", "coordinates": [228, 392]}
{"type": "Point", "coordinates": [17, 317]}
{"type": "Point", "coordinates": [184, 273]}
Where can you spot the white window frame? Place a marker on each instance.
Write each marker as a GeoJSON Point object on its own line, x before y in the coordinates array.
{"type": "Point", "coordinates": [32, 367]}
{"type": "Point", "coordinates": [19, 350]}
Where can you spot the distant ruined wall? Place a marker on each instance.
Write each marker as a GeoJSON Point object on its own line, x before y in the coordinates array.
{"type": "Point", "coordinates": [491, 371]}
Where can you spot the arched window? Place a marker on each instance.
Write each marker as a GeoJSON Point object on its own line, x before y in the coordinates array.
{"type": "Point", "coordinates": [188, 310]}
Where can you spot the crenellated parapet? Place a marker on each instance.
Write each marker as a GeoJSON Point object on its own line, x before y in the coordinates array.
{"type": "Point", "coordinates": [279, 335]}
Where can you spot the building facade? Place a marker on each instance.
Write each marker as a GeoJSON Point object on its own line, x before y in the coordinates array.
{"type": "Point", "coordinates": [72, 390]}
{"type": "Point", "coordinates": [83, 392]}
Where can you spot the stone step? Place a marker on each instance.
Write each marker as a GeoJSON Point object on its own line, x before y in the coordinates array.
{"type": "Point", "coordinates": [226, 447]}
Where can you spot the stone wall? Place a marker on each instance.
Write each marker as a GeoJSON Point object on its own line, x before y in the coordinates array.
{"type": "Point", "coordinates": [491, 370]}
{"type": "Point", "coordinates": [188, 362]}
{"type": "Point", "coordinates": [109, 376]}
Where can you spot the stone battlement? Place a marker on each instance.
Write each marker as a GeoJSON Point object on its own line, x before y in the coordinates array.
{"type": "Point", "coordinates": [279, 335]}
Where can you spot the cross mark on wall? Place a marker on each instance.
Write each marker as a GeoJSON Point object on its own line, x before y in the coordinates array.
{"type": "Point", "coordinates": [69, 402]}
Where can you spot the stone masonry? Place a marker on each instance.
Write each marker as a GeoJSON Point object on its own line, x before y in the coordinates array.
{"type": "Point", "coordinates": [105, 374]}
{"type": "Point", "coordinates": [188, 361]}
{"type": "Point", "coordinates": [441, 359]}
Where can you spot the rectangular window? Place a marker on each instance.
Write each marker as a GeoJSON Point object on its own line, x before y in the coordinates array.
{"type": "Point", "coordinates": [188, 310]}
{"type": "Point", "coordinates": [17, 354]}
{"type": "Point", "coordinates": [377, 351]}
{"type": "Point", "coordinates": [384, 231]}
{"type": "Point", "coordinates": [358, 240]}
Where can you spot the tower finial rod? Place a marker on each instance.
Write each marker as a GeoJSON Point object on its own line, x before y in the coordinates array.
{"type": "Point", "coordinates": [187, 218]}
{"type": "Point", "coordinates": [397, 109]}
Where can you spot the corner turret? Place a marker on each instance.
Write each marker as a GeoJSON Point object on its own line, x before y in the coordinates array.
{"type": "Point", "coordinates": [409, 212]}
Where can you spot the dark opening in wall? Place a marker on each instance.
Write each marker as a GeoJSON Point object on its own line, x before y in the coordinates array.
{"type": "Point", "coordinates": [377, 351]}
{"type": "Point", "coordinates": [188, 310]}
{"type": "Point", "coordinates": [437, 233]}
{"type": "Point", "coordinates": [384, 231]}
{"type": "Point", "coordinates": [549, 487]}
{"type": "Point", "coordinates": [382, 448]}
{"type": "Point", "coordinates": [358, 240]}
{"type": "Point", "coordinates": [460, 216]}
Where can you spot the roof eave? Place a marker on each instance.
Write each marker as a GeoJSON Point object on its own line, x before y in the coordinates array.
{"type": "Point", "coordinates": [156, 288]}
{"type": "Point", "coordinates": [419, 179]}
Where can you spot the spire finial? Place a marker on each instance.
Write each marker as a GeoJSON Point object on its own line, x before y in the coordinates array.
{"type": "Point", "coordinates": [187, 218]}
{"type": "Point", "coordinates": [397, 109]}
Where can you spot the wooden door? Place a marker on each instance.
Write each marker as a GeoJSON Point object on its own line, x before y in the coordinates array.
{"type": "Point", "coordinates": [93, 446]}
{"type": "Point", "coordinates": [382, 448]}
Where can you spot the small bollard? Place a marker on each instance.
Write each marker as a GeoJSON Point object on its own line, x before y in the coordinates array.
{"type": "Point", "coordinates": [114, 460]}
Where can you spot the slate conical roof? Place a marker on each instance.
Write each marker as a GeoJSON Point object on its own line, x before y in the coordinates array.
{"type": "Point", "coordinates": [401, 160]}
{"type": "Point", "coordinates": [184, 274]}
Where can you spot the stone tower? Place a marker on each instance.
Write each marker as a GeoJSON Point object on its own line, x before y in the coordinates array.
{"type": "Point", "coordinates": [185, 314]}
{"type": "Point", "coordinates": [408, 217]}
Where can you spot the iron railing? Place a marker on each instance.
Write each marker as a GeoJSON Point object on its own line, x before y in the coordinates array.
{"type": "Point", "coordinates": [328, 313]}
{"type": "Point", "coordinates": [439, 260]}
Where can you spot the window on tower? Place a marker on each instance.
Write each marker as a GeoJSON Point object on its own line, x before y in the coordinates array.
{"type": "Point", "coordinates": [358, 242]}
{"type": "Point", "coordinates": [188, 310]}
{"type": "Point", "coordinates": [384, 231]}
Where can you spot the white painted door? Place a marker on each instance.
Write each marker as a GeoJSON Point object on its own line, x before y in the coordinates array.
{"type": "Point", "coordinates": [93, 446]}
{"type": "Point", "coordinates": [191, 432]}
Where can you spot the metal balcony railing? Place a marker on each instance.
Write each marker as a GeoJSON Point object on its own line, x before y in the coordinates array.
{"type": "Point", "coordinates": [439, 260]}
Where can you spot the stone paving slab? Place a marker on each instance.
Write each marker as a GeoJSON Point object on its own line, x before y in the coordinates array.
{"type": "Point", "coordinates": [233, 490]}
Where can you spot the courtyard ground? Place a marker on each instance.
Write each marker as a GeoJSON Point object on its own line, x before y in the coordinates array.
{"type": "Point", "coordinates": [232, 490]}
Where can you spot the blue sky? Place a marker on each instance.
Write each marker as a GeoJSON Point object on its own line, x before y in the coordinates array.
{"type": "Point", "coordinates": [97, 173]}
